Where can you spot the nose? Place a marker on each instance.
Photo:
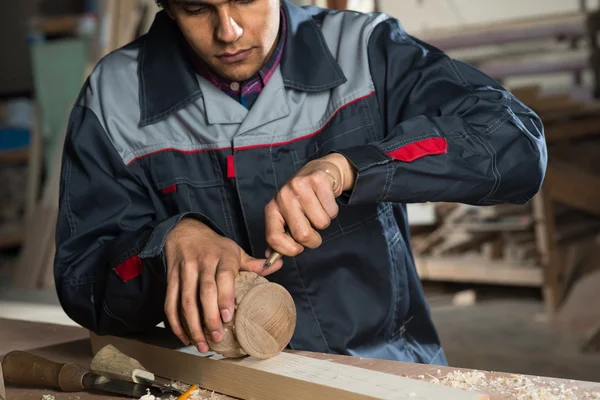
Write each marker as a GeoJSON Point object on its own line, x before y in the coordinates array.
{"type": "Point", "coordinates": [228, 30]}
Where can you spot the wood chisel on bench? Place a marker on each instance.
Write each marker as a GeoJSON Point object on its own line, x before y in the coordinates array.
{"type": "Point", "coordinates": [26, 369]}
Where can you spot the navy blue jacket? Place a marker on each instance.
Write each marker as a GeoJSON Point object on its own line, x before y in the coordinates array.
{"type": "Point", "coordinates": [149, 141]}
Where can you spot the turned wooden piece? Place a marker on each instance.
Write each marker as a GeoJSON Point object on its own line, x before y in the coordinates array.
{"type": "Point", "coordinates": [113, 364]}
{"type": "Point", "coordinates": [263, 323]}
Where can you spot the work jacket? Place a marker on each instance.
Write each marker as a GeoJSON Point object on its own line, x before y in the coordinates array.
{"type": "Point", "coordinates": [150, 141]}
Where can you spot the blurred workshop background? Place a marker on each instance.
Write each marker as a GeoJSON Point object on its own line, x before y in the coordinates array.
{"type": "Point", "coordinates": [512, 288]}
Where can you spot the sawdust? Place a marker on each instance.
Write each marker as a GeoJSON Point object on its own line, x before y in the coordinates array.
{"type": "Point", "coordinates": [198, 394]}
{"type": "Point", "coordinates": [516, 387]}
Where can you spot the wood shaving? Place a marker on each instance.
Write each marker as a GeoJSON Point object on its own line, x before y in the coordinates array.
{"type": "Point", "coordinates": [516, 387]}
{"type": "Point", "coordinates": [198, 394]}
{"type": "Point", "coordinates": [48, 397]}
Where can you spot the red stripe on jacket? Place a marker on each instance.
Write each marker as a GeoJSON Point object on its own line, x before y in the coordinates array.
{"type": "Point", "coordinates": [422, 148]}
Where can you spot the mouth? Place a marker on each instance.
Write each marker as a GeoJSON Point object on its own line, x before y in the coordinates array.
{"type": "Point", "coordinates": [234, 57]}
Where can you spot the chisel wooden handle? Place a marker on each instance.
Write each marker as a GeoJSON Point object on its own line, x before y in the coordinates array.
{"type": "Point", "coordinates": [26, 369]}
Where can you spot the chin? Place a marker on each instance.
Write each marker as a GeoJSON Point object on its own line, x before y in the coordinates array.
{"type": "Point", "coordinates": [237, 74]}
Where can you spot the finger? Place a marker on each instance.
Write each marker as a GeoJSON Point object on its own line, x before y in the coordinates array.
{"type": "Point", "coordinates": [299, 225]}
{"type": "Point", "coordinates": [172, 306]}
{"type": "Point", "coordinates": [252, 264]}
{"type": "Point", "coordinates": [249, 263]}
{"type": "Point", "coordinates": [312, 207]}
{"type": "Point", "coordinates": [209, 297]}
{"type": "Point", "coordinates": [189, 304]}
{"type": "Point", "coordinates": [275, 233]}
{"type": "Point", "coordinates": [326, 198]}
{"type": "Point", "coordinates": [225, 278]}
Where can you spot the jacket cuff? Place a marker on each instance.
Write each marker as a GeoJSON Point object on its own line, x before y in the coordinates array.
{"type": "Point", "coordinates": [156, 242]}
{"type": "Point", "coordinates": [373, 168]}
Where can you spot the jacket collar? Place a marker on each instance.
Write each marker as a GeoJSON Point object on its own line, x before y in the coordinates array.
{"type": "Point", "coordinates": [168, 81]}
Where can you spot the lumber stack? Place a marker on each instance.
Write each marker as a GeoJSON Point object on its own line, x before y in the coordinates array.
{"type": "Point", "coordinates": [526, 47]}
{"type": "Point", "coordinates": [539, 244]}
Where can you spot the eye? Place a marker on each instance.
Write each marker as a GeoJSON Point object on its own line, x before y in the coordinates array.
{"type": "Point", "coordinates": [193, 10]}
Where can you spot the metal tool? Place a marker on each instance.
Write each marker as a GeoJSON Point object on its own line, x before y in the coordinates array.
{"type": "Point", "coordinates": [163, 388]}
{"type": "Point", "coordinates": [26, 369]}
{"type": "Point", "coordinates": [275, 255]}
{"type": "Point", "coordinates": [272, 259]}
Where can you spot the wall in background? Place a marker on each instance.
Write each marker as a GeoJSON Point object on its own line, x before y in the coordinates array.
{"type": "Point", "coordinates": [15, 62]}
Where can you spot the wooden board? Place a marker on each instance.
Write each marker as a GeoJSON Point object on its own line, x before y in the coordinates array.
{"type": "Point", "coordinates": [39, 337]}
{"type": "Point", "coordinates": [476, 269]}
{"type": "Point", "coordinates": [507, 31]}
{"type": "Point", "coordinates": [27, 335]}
{"type": "Point", "coordinates": [285, 376]}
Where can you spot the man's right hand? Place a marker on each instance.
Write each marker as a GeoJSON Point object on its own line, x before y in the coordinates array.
{"type": "Point", "coordinates": [201, 270]}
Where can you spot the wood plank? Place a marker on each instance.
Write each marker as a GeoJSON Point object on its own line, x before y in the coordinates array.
{"type": "Point", "coordinates": [545, 235]}
{"type": "Point", "coordinates": [502, 32]}
{"type": "Point", "coordinates": [502, 210]}
{"type": "Point", "coordinates": [475, 269]}
{"type": "Point", "coordinates": [27, 335]}
{"type": "Point", "coordinates": [572, 129]}
{"type": "Point", "coordinates": [505, 224]}
{"type": "Point", "coordinates": [591, 109]}
{"type": "Point", "coordinates": [285, 376]}
{"type": "Point", "coordinates": [534, 64]}
{"type": "Point", "coordinates": [573, 186]}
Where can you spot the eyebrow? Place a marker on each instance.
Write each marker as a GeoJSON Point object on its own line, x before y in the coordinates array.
{"type": "Point", "coordinates": [191, 3]}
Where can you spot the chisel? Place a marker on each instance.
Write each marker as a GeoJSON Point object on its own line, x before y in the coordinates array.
{"type": "Point", "coordinates": [30, 370]}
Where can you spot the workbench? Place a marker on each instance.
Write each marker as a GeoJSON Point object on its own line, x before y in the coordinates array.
{"type": "Point", "coordinates": [68, 343]}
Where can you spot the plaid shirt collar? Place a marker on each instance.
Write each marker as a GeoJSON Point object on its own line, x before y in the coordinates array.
{"type": "Point", "coordinates": [246, 92]}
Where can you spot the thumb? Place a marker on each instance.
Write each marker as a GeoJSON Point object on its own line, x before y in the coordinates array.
{"type": "Point", "coordinates": [249, 263]}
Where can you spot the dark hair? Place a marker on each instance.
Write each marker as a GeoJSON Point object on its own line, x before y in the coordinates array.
{"type": "Point", "coordinates": [162, 3]}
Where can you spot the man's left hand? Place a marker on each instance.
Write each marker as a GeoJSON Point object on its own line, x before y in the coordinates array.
{"type": "Point", "coordinates": [306, 203]}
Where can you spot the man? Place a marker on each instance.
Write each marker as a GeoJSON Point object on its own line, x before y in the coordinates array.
{"type": "Point", "coordinates": [239, 127]}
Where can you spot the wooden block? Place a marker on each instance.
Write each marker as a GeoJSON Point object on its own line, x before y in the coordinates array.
{"type": "Point", "coordinates": [285, 376]}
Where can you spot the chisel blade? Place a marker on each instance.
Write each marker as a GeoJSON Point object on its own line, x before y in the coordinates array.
{"type": "Point", "coordinates": [125, 388]}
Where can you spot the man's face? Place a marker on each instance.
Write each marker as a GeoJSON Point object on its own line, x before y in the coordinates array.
{"type": "Point", "coordinates": [234, 37]}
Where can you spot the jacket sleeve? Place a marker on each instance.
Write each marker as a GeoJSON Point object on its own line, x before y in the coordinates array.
{"type": "Point", "coordinates": [109, 264]}
{"type": "Point", "coordinates": [450, 132]}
